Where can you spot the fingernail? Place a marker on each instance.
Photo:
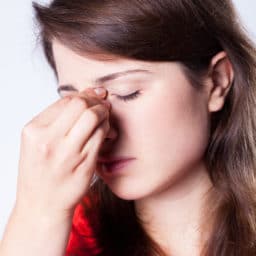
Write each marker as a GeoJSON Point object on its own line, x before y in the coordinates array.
{"type": "Point", "coordinates": [100, 91]}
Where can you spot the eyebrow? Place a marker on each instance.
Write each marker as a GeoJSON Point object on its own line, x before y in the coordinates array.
{"type": "Point", "coordinates": [104, 79]}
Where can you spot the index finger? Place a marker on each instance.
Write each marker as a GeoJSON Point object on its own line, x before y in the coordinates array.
{"type": "Point", "coordinates": [51, 112]}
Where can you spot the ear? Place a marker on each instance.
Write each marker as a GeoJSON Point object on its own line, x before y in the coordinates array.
{"type": "Point", "coordinates": [221, 80]}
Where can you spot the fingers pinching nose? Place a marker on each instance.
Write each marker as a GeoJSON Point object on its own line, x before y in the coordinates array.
{"type": "Point", "coordinates": [100, 93]}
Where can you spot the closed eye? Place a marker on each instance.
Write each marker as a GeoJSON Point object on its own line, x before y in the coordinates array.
{"type": "Point", "coordinates": [129, 97]}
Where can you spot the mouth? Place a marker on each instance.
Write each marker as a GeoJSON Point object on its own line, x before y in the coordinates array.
{"type": "Point", "coordinates": [116, 165]}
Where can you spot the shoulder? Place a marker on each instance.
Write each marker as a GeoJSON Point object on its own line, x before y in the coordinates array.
{"type": "Point", "coordinates": [82, 240]}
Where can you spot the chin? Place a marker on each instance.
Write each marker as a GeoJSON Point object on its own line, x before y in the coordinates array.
{"type": "Point", "coordinates": [128, 192]}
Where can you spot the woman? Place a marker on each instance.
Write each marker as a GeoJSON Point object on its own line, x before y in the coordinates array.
{"type": "Point", "coordinates": [178, 90]}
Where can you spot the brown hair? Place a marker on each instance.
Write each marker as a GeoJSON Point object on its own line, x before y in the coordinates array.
{"type": "Point", "coordinates": [191, 32]}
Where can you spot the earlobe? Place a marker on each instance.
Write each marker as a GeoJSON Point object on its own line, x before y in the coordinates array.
{"type": "Point", "coordinates": [221, 76]}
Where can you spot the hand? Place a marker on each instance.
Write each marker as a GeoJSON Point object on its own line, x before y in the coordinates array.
{"type": "Point", "coordinates": [59, 150]}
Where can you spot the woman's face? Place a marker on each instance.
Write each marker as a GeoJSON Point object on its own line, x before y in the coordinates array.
{"type": "Point", "coordinates": [165, 128]}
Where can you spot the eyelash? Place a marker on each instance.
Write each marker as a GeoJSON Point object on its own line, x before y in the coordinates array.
{"type": "Point", "coordinates": [129, 97]}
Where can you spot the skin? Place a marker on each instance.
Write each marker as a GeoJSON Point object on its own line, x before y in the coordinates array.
{"type": "Point", "coordinates": [59, 149]}
{"type": "Point", "coordinates": [167, 113]}
{"type": "Point", "coordinates": [165, 129]}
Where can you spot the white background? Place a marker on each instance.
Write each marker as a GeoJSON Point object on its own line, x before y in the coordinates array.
{"type": "Point", "coordinates": [28, 85]}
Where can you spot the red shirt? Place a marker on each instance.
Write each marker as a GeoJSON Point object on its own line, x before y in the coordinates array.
{"type": "Point", "coordinates": [82, 241]}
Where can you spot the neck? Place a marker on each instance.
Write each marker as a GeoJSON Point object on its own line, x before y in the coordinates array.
{"type": "Point", "coordinates": [175, 218]}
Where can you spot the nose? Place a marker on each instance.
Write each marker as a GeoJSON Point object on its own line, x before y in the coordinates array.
{"type": "Point", "coordinates": [112, 133]}
{"type": "Point", "coordinates": [110, 140]}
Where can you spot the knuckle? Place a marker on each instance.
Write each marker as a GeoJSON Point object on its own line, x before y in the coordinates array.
{"type": "Point", "coordinates": [33, 135]}
{"type": "Point", "coordinates": [45, 149]}
{"type": "Point", "coordinates": [28, 130]}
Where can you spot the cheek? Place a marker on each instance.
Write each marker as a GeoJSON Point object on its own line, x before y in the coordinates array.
{"type": "Point", "coordinates": [172, 130]}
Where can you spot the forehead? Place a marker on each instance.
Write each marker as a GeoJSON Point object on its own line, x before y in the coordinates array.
{"type": "Point", "coordinates": [82, 71]}
{"type": "Point", "coordinates": [68, 61]}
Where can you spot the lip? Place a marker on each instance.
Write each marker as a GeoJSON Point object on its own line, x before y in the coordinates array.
{"type": "Point", "coordinates": [113, 167]}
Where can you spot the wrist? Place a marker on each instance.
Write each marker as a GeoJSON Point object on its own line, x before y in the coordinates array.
{"type": "Point", "coordinates": [31, 233]}
{"type": "Point", "coordinates": [41, 218]}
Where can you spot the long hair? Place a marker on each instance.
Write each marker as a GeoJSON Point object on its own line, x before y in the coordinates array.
{"type": "Point", "coordinates": [190, 32]}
